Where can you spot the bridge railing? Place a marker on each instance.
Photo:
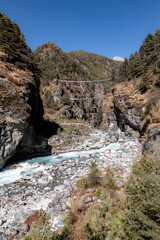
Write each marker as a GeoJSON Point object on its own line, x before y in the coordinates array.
{"type": "Point", "coordinates": [87, 81]}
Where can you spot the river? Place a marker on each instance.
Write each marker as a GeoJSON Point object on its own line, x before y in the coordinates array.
{"type": "Point", "coordinates": [47, 182]}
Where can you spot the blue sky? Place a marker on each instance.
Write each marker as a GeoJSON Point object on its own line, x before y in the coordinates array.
{"type": "Point", "coordinates": [106, 27]}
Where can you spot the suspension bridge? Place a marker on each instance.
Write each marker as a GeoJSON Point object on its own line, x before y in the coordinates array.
{"type": "Point", "coordinates": [87, 81]}
{"type": "Point", "coordinates": [80, 82]}
{"type": "Point", "coordinates": [81, 99]}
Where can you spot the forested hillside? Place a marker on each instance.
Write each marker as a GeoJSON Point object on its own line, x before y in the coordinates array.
{"type": "Point", "coordinates": [144, 64]}
{"type": "Point", "coordinates": [98, 67]}
{"type": "Point", "coordinates": [13, 45]}
{"type": "Point", "coordinates": [55, 65]}
{"type": "Point", "coordinates": [143, 70]}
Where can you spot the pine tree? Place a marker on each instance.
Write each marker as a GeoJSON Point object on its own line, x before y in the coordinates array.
{"type": "Point", "coordinates": [123, 71]}
{"type": "Point", "coordinates": [12, 40]}
{"type": "Point", "coordinates": [142, 216]}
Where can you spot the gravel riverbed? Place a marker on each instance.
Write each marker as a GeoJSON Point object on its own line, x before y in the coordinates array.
{"type": "Point", "coordinates": [47, 182]}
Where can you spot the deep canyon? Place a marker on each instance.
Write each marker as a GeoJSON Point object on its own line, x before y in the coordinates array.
{"type": "Point", "coordinates": [57, 119]}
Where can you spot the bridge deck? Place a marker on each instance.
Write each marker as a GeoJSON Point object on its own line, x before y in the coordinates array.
{"type": "Point", "coordinates": [81, 99]}
{"type": "Point", "coordinates": [88, 81]}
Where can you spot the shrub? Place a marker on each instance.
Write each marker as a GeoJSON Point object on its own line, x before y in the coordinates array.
{"type": "Point", "coordinates": [82, 183]}
{"type": "Point", "coordinates": [68, 228]}
{"type": "Point", "coordinates": [145, 84]}
{"type": "Point", "coordinates": [49, 101]}
{"type": "Point", "coordinates": [142, 215]}
{"type": "Point", "coordinates": [42, 229]}
{"type": "Point", "coordinates": [94, 175]}
{"type": "Point", "coordinates": [66, 99]}
{"type": "Point", "coordinates": [103, 223]}
{"type": "Point", "coordinates": [154, 114]}
{"type": "Point", "coordinates": [108, 180]}
{"type": "Point", "coordinates": [70, 218]}
{"type": "Point", "coordinates": [93, 228]}
{"type": "Point", "coordinates": [98, 193]}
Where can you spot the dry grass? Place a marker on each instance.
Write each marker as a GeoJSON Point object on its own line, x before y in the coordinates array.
{"type": "Point", "coordinates": [77, 204]}
{"type": "Point", "coordinates": [154, 114]}
{"type": "Point", "coordinates": [82, 184]}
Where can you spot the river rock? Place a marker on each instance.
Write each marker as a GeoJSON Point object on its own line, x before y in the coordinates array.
{"type": "Point", "coordinates": [25, 227]}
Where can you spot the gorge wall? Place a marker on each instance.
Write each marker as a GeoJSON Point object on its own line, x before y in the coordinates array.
{"type": "Point", "coordinates": [125, 109]}
{"type": "Point", "coordinates": [22, 129]}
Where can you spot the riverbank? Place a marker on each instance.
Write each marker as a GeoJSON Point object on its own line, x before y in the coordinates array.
{"type": "Point", "coordinates": [47, 182]}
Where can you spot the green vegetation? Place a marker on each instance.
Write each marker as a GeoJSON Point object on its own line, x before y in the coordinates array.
{"type": "Point", "coordinates": [42, 229]}
{"type": "Point", "coordinates": [143, 67]}
{"type": "Point", "coordinates": [98, 67]}
{"type": "Point", "coordinates": [94, 175]}
{"type": "Point", "coordinates": [66, 99]}
{"type": "Point", "coordinates": [138, 217]}
{"type": "Point", "coordinates": [12, 43]}
{"type": "Point", "coordinates": [103, 223]}
{"type": "Point", "coordinates": [113, 217]}
{"type": "Point", "coordinates": [154, 112]}
{"type": "Point", "coordinates": [49, 101]}
{"type": "Point", "coordinates": [144, 64]}
{"type": "Point", "coordinates": [68, 228]}
{"type": "Point", "coordinates": [82, 183]}
{"type": "Point", "coordinates": [55, 64]}
{"type": "Point", "coordinates": [99, 116]}
{"type": "Point", "coordinates": [108, 180]}
{"type": "Point", "coordinates": [11, 38]}
{"type": "Point", "coordinates": [142, 213]}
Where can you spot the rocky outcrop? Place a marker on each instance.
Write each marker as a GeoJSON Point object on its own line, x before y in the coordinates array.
{"type": "Point", "coordinates": [124, 109]}
{"type": "Point", "coordinates": [152, 143]}
{"type": "Point", "coordinates": [21, 124]}
{"type": "Point", "coordinates": [66, 101]}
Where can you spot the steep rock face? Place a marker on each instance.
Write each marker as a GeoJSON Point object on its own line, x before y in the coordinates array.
{"type": "Point", "coordinates": [21, 114]}
{"type": "Point", "coordinates": [152, 143]}
{"type": "Point", "coordinates": [67, 101]}
{"type": "Point", "coordinates": [124, 109]}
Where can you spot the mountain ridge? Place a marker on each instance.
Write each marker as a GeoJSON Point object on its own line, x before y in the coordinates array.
{"type": "Point", "coordinates": [56, 65]}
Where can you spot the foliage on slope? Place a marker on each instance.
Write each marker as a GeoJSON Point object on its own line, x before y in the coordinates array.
{"type": "Point", "coordinates": [142, 213]}
{"type": "Point", "coordinates": [145, 63]}
{"type": "Point", "coordinates": [55, 64]}
{"type": "Point", "coordinates": [111, 217]}
{"type": "Point", "coordinates": [98, 67]}
{"type": "Point", "coordinates": [143, 69]}
{"type": "Point", "coordinates": [13, 45]}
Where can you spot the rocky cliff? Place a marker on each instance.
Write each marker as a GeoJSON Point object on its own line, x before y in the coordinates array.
{"type": "Point", "coordinates": [125, 110]}
{"type": "Point", "coordinates": [22, 128]}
